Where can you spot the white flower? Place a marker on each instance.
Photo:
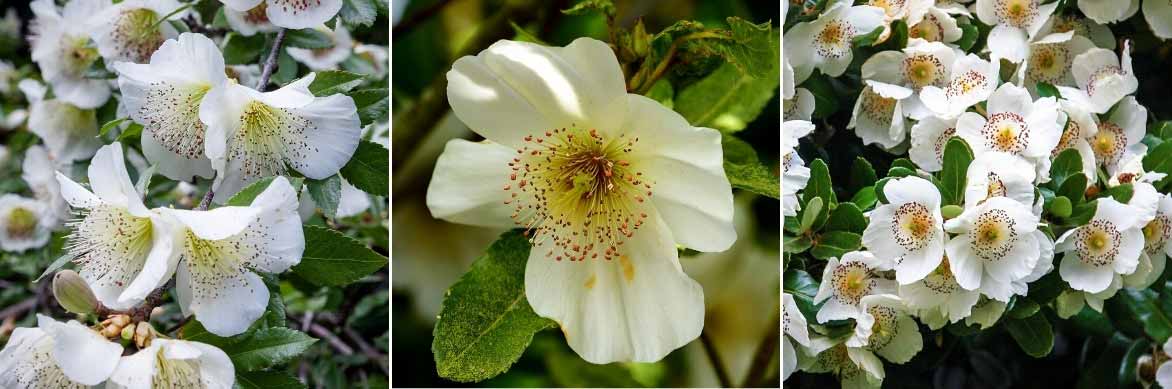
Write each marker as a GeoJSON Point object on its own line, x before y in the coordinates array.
{"type": "Point", "coordinates": [1108, 11]}
{"type": "Point", "coordinates": [218, 251]}
{"type": "Point", "coordinates": [57, 355]}
{"type": "Point", "coordinates": [115, 234]}
{"type": "Point", "coordinates": [907, 10]}
{"type": "Point", "coordinates": [894, 73]}
{"type": "Point", "coordinates": [929, 136]}
{"type": "Point", "coordinates": [794, 327]}
{"type": "Point", "coordinates": [40, 173]}
{"type": "Point", "coordinates": [1159, 17]}
{"type": "Point", "coordinates": [610, 277]}
{"type": "Point", "coordinates": [1157, 234]}
{"type": "Point", "coordinates": [996, 174]}
{"type": "Point", "coordinates": [1102, 78]}
{"type": "Point", "coordinates": [290, 14]}
{"type": "Point", "coordinates": [1164, 372]}
{"type": "Point", "coordinates": [825, 43]}
{"type": "Point", "coordinates": [1120, 134]}
{"type": "Point", "coordinates": [1080, 128]}
{"type": "Point", "coordinates": [1016, 125]}
{"type": "Point", "coordinates": [908, 231]}
{"type": "Point", "coordinates": [1015, 23]}
{"type": "Point", "coordinates": [244, 74]}
{"type": "Point", "coordinates": [251, 21]}
{"type": "Point", "coordinates": [794, 173]}
{"type": "Point", "coordinates": [327, 58]}
{"type": "Point", "coordinates": [1084, 27]}
{"type": "Point", "coordinates": [994, 246]}
{"type": "Point", "coordinates": [376, 55]}
{"type": "Point", "coordinates": [60, 46]}
{"type": "Point", "coordinates": [878, 114]}
{"type": "Point", "coordinates": [800, 107]}
{"type": "Point", "coordinates": [937, 25]}
{"type": "Point", "coordinates": [856, 367]}
{"type": "Point", "coordinates": [846, 282]}
{"type": "Point", "coordinates": [69, 132]}
{"type": "Point", "coordinates": [1105, 248]}
{"type": "Point", "coordinates": [251, 134]}
{"type": "Point", "coordinates": [938, 299]}
{"type": "Point", "coordinates": [885, 328]}
{"type": "Point", "coordinates": [133, 29]}
{"type": "Point", "coordinates": [24, 223]}
{"type": "Point", "coordinates": [1049, 59]}
{"type": "Point", "coordinates": [972, 81]}
{"type": "Point", "coordinates": [164, 96]}
{"type": "Point", "coordinates": [169, 363]}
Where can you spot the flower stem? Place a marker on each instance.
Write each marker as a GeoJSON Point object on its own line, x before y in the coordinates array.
{"type": "Point", "coordinates": [271, 61]}
{"type": "Point", "coordinates": [661, 68]}
{"type": "Point", "coordinates": [717, 365]}
{"type": "Point", "coordinates": [766, 352]}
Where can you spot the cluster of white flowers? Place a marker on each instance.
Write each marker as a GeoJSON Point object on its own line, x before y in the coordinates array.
{"type": "Point", "coordinates": [916, 263]}
{"type": "Point", "coordinates": [197, 121]}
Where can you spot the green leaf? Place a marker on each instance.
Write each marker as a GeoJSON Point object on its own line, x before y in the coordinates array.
{"type": "Point", "coordinates": [798, 283]}
{"type": "Point", "coordinates": [586, 7]}
{"type": "Point", "coordinates": [242, 50]}
{"type": "Point", "coordinates": [752, 48]}
{"type": "Point", "coordinates": [745, 171]}
{"type": "Point", "coordinates": [1147, 307]}
{"type": "Point", "coordinates": [220, 20]}
{"type": "Point", "coordinates": [662, 92]}
{"type": "Point", "coordinates": [796, 244]}
{"type": "Point", "coordinates": [825, 97]}
{"type": "Point", "coordinates": [1068, 163]}
{"type": "Point", "coordinates": [1159, 160]}
{"type": "Point", "coordinates": [811, 213]}
{"type": "Point", "coordinates": [369, 169]}
{"type": "Point", "coordinates": [819, 184]}
{"type": "Point", "coordinates": [1033, 334]}
{"type": "Point", "coordinates": [1023, 307]}
{"type": "Point", "coordinates": [308, 38]}
{"type": "Point", "coordinates": [245, 196]}
{"type": "Point", "coordinates": [868, 39]}
{"type": "Point", "coordinates": [957, 157]}
{"type": "Point", "coordinates": [267, 380]}
{"type": "Point", "coordinates": [287, 68]}
{"type": "Point", "coordinates": [372, 104]}
{"type": "Point", "coordinates": [1045, 89]}
{"type": "Point", "coordinates": [862, 175]}
{"type": "Point", "coordinates": [1122, 193]}
{"type": "Point", "coordinates": [899, 171]}
{"type": "Point", "coordinates": [1130, 360]}
{"type": "Point", "coordinates": [329, 82]}
{"type": "Point", "coordinates": [835, 244]}
{"type": "Point", "coordinates": [267, 347]}
{"type": "Point", "coordinates": [110, 125]}
{"type": "Point", "coordinates": [486, 322]}
{"type": "Point", "coordinates": [57, 264]}
{"type": "Point", "coordinates": [131, 134]}
{"type": "Point", "coordinates": [726, 99]}
{"type": "Point", "coordinates": [879, 189]}
{"type": "Point", "coordinates": [968, 36]}
{"type": "Point", "coordinates": [358, 12]}
{"type": "Point", "coordinates": [326, 193]}
{"type": "Point", "coordinates": [334, 259]}
{"type": "Point", "coordinates": [846, 217]}
{"type": "Point", "coordinates": [865, 198]}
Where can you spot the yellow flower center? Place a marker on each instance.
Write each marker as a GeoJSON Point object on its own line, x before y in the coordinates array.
{"type": "Point", "coordinates": [22, 222]}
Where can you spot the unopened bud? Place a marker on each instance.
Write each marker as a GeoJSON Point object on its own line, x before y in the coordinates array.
{"type": "Point", "coordinates": [951, 211]}
{"type": "Point", "coordinates": [144, 334]}
{"type": "Point", "coordinates": [128, 332]}
{"type": "Point", "coordinates": [156, 312]}
{"type": "Point", "coordinates": [73, 293]}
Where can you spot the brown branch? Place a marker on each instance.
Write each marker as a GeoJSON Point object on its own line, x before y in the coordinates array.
{"type": "Point", "coordinates": [766, 352]}
{"type": "Point", "coordinates": [141, 312]}
{"type": "Point", "coordinates": [367, 350]}
{"type": "Point", "coordinates": [271, 61]}
{"type": "Point", "coordinates": [336, 343]}
{"type": "Point", "coordinates": [19, 308]}
{"type": "Point", "coordinates": [717, 365]}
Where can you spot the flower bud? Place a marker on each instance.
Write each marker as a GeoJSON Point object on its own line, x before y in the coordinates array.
{"type": "Point", "coordinates": [144, 334]}
{"type": "Point", "coordinates": [73, 293]}
{"type": "Point", "coordinates": [951, 211]}
{"type": "Point", "coordinates": [128, 332]}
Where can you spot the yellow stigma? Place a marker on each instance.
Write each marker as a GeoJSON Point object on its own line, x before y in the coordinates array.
{"type": "Point", "coordinates": [21, 223]}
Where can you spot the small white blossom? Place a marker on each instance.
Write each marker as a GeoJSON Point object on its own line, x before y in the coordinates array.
{"type": "Point", "coordinates": [1102, 78]}
{"type": "Point", "coordinates": [171, 363]}
{"type": "Point", "coordinates": [290, 14]}
{"type": "Point", "coordinates": [326, 58]}
{"type": "Point", "coordinates": [972, 81]}
{"type": "Point", "coordinates": [57, 355]}
{"type": "Point", "coordinates": [1102, 250]}
{"type": "Point", "coordinates": [846, 282]}
{"type": "Point", "coordinates": [60, 46]}
{"type": "Point", "coordinates": [908, 231]}
{"type": "Point", "coordinates": [1015, 23]}
{"type": "Point", "coordinates": [825, 43]}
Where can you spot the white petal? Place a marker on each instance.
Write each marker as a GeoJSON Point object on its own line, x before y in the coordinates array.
{"type": "Point", "coordinates": [241, 5]}
{"type": "Point", "coordinates": [636, 308]}
{"type": "Point", "coordinates": [77, 195]}
{"type": "Point", "coordinates": [111, 182]}
{"type": "Point", "coordinates": [299, 15]}
{"type": "Point", "coordinates": [1159, 17]}
{"type": "Point", "coordinates": [1008, 42]}
{"type": "Point", "coordinates": [83, 355]}
{"type": "Point", "coordinates": [965, 266]}
{"type": "Point", "coordinates": [686, 169]}
{"type": "Point", "coordinates": [907, 342]}
{"type": "Point", "coordinates": [1084, 277]}
{"type": "Point", "coordinates": [225, 305]}
{"type": "Point", "coordinates": [467, 186]}
{"type": "Point", "coordinates": [514, 89]}
{"type": "Point", "coordinates": [327, 141]}
{"type": "Point", "coordinates": [160, 262]}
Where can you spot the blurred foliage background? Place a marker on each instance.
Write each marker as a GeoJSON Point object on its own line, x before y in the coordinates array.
{"type": "Point", "coordinates": [429, 255]}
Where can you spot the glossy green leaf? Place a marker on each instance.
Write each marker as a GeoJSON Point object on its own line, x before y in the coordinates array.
{"type": "Point", "coordinates": [369, 169]}
{"type": "Point", "coordinates": [957, 157]}
{"type": "Point", "coordinates": [819, 184]}
{"type": "Point", "coordinates": [372, 104]}
{"type": "Point", "coordinates": [745, 171]}
{"type": "Point", "coordinates": [245, 196]}
{"type": "Point", "coordinates": [726, 99]}
{"type": "Point", "coordinates": [846, 217]}
{"type": "Point", "coordinates": [330, 82]}
{"type": "Point", "coordinates": [1033, 334]}
{"type": "Point", "coordinates": [242, 50]}
{"type": "Point", "coordinates": [1045, 89]}
{"type": "Point", "coordinates": [835, 244]}
{"type": "Point", "coordinates": [308, 38]}
{"type": "Point", "coordinates": [862, 175]}
{"type": "Point", "coordinates": [326, 193]}
{"type": "Point", "coordinates": [334, 259]}
{"type": "Point", "coordinates": [1151, 310]}
{"type": "Point", "coordinates": [486, 322]}
{"type": "Point", "coordinates": [267, 347]}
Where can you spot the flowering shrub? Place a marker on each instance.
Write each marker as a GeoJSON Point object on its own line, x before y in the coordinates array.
{"type": "Point", "coordinates": [193, 194]}
{"type": "Point", "coordinates": [994, 205]}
